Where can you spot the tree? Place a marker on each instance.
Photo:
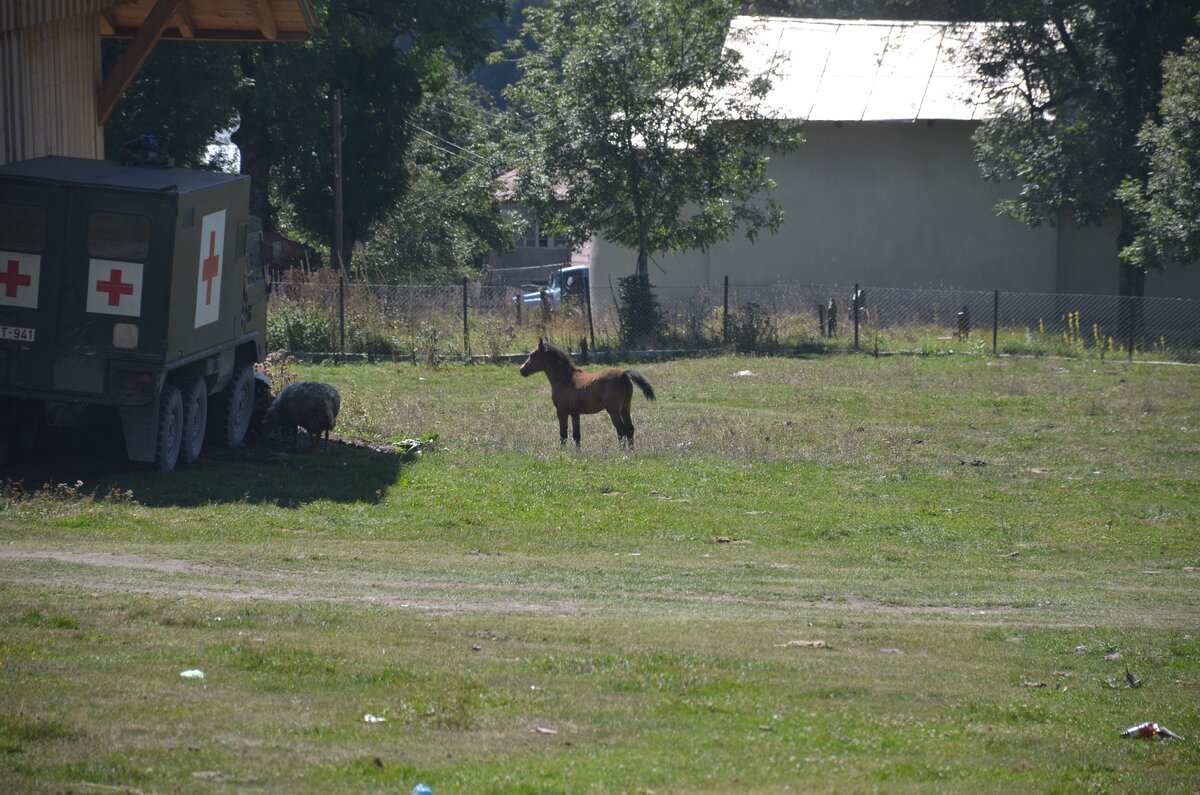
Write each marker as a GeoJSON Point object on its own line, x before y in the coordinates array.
{"type": "Point", "coordinates": [184, 95]}
{"type": "Point", "coordinates": [641, 124]}
{"type": "Point", "coordinates": [377, 52]}
{"type": "Point", "coordinates": [450, 217]}
{"type": "Point", "coordinates": [1166, 204]}
{"type": "Point", "coordinates": [1074, 83]}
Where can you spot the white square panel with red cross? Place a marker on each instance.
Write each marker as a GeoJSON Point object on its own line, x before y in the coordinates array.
{"type": "Point", "coordinates": [114, 288]}
{"type": "Point", "coordinates": [208, 275]}
{"type": "Point", "coordinates": [19, 279]}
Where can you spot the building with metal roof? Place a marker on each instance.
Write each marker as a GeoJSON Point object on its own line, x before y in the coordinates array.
{"type": "Point", "coordinates": [885, 191]}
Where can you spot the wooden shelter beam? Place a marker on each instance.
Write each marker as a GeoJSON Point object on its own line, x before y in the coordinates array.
{"type": "Point", "coordinates": [139, 50]}
{"type": "Point", "coordinates": [265, 18]}
{"type": "Point", "coordinates": [183, 22]}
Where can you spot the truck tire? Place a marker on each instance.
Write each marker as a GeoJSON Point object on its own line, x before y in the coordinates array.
{"type": "Point", "coordinates": [170, 428]}
{"type": "Point", "coordinates": [194, 392]}
{"type": "Point", "coordinates": [232, 409]}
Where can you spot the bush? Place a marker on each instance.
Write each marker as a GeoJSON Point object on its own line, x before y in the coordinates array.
{"type": "Point", "coordinates": [752, 330]}
{"type": "Point", "coordinates": [643, 324]}
{"type": "Point", "coordinates": [298, 326]}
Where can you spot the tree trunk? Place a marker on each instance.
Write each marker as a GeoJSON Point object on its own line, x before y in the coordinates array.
{"type": "Point", "coordinates": [1131, 284]}
{"type": "Point", "coordinates": [643, 260]}
{"type": "Point", "coordinates": [253, 140]}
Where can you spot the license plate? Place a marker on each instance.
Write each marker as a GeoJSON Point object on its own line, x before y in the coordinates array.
{"type": "Point", "coordinates": [16, 333]}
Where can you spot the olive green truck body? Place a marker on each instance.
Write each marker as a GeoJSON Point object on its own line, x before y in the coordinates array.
{"type": "Point", "coordinates": [132, 292]}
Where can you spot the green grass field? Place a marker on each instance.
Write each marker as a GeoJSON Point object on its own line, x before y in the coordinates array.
{"type": "Point", "coordinates": [834, 574]}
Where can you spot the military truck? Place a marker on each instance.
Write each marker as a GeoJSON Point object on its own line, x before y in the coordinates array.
{"type": "Point", "coordinates": [132, 294]}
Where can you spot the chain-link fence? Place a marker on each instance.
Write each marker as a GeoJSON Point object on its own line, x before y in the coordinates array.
{"type": "Point", "coordinates": [431, 323]}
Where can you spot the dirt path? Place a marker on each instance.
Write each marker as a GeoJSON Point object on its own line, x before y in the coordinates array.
{"type": "Point", "coordinates": [374, 588]}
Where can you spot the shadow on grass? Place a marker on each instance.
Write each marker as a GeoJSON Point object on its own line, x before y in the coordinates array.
{"type": "Point", "coordinates": [262, 471]}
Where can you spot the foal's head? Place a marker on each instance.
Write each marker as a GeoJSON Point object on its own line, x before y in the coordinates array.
{"type": "Point", "coordinates": [547, 358]}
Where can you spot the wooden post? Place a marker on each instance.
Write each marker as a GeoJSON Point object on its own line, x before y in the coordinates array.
{"type": "Point", "coordinates": [336, 243]}
{"type": "Point", "coordinates": [342, 314]}
{"type": "Point", "coordinates": [591, 326]}
{"type": "Point", "coordinates": [855, 305]}
{"type": "Point", "coordinates": [466, 328]}
{"type": "Point", "coordinates": [725, 316]}
{"type": "Point", "coordinates": [1130, 300]}
{"type": "Point", "coordinates": [996, 323]}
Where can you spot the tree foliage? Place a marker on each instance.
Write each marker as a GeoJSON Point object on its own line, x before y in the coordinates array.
{"type": "Point", "coordinates": [642, 125]}
{"type": "Point", "coordinates": [184, 95]}
{"type": "Point", "coordinates": [1167, 203]}
{"type": "Point", "coordinates": [378, 52]}
{"type": "Point", "coordinates": [450, 217]}
{"type": "Point", "coordinates": [1075, 83]}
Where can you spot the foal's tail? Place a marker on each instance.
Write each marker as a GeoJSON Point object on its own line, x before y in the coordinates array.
{"type": "Point", "coordinates": [641, 381]}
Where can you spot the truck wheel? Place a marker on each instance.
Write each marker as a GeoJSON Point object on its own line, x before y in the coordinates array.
{"type": "Point", "coordinates": [170, 428]}
{"type": "Point", "coordinates": [194, 392]}
{"type": "Point", "coordinates": [232, 409]}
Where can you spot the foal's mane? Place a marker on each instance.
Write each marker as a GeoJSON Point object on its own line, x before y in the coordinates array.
{"type": "Point", "coordinates": [560, 360]}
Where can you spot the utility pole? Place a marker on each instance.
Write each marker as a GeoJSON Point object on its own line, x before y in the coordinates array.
{"type": "Point", "coordinates": [336, 244]}
{"type": "Point", "coordinates": [335, 247]}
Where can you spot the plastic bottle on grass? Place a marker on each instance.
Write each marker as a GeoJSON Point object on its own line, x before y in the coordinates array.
{"type": "Point", "coordinates": [422, 789]}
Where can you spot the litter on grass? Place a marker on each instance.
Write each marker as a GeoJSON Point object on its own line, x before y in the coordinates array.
{"type": "Point", "coordinates": [1149, 729]}
{"type": "Point", "coordinates": [192, 673]}
{"type": "Point", "coordinates": [369, 718]}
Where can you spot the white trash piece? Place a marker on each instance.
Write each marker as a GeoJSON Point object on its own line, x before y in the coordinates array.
{"type": "Point", "coordinates": [369, 718]}
{"type": "Point", "coordinates": [192, 673]}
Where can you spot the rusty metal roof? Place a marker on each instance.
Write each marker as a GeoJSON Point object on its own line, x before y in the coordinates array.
{"type": "Point", "coordinates": [862, 70]}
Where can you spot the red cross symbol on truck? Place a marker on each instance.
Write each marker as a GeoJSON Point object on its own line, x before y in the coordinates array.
{"type": "Point", "coordinates": [12, 279]}
{"type": "Point", "coordinates": [114, 287]}
{"type": "Point", "coordinates": [212, 267]}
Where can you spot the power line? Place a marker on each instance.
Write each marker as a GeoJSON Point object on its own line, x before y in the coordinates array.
{"type": "Point", "coordinates": [481, 160]}
{"type": "Point", "coordinates": [474, 162]}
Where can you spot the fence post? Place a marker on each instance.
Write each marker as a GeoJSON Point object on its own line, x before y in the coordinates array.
{"type": "Point", "coordinates": [591, 327]}
{"type": "Point", "coordinates": [466, 328]}
{"type": "Point", "coordinates": [342, 313]}
{"type": "Point", "coordinates": [995, 323]}
{"type": "Point", "coordinates": [725, 315]}
{"type": "Point", "coordinates": [855, 303]}
{"type": "Point", "coordinates": [1132, 313]}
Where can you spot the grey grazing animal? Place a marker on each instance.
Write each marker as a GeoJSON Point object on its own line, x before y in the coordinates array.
{"type": "Point", "coordinates": [308, 404]}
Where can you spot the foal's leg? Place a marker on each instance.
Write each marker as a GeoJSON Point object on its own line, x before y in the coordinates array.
{"type": "Point", "coordinates": [627, 420]}
{"type": "Point", "coordinates": [575, 428]}
{"type": "Point", "coordinates": [562, 427]}
{"type": "Point", "coordinates": [619, 425]}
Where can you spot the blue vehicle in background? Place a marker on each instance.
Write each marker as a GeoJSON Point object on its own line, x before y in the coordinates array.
{"type": "Point", "coordinates": [564, 285]}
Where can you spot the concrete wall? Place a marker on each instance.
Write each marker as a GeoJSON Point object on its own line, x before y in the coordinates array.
{"type": "Point", "coordinates": [882, 204]}
{"type": "Point", "coordinates": [1087, 263]}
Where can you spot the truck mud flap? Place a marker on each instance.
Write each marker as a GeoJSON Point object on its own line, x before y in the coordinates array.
{"type": "Point", "coordinates": [140, 426]}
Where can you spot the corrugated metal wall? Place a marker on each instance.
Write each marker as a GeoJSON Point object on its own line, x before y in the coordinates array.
{"type": "Point", "coordinates": [49, 73]}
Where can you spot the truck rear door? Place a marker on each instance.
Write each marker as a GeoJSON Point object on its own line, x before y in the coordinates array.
{"type": "Point", "coordinates": [31, 243]}
{"type": "Point", "coordinates": [114, 278]}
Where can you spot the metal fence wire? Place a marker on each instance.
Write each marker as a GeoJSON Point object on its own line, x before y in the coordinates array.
{"type": "Point", "coordinates": [435, 322]}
